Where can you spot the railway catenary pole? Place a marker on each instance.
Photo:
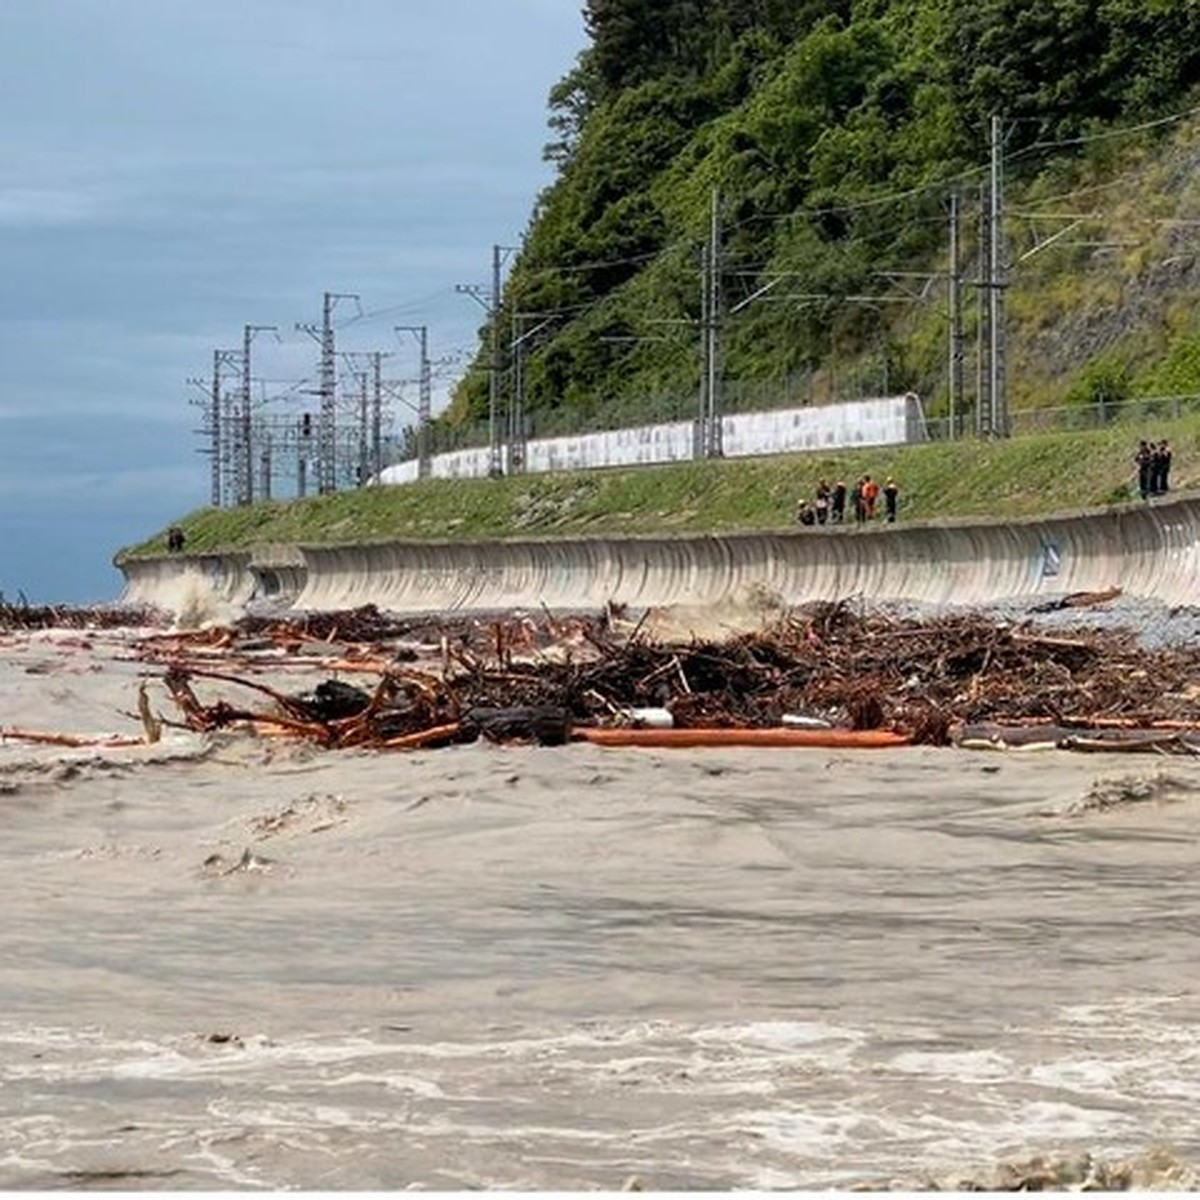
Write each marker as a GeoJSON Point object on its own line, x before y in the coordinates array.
{"type": "Point", "coordinates": [713, 446]}
{"type": "Point", "coordinates": [955, 382]}
{"type": "Point", "coordinates": [227, 432]}
{"type": "Point", "coordinates": [364, 430]}
{"type": "Point", "coordinates": [707, 443]}
{"type": "Point", "coordinates": [424, 395]}
{"type": "Point", "coordinates": [218, 442]}
{"type": "Point", "coordinates": [327, 416]}
{"type": "Point", "coordinates": [996, 284]}
{"type": "Point", "coordinates": [265, 466]}
{"type": "Point", "coordinates": [492, 306]}
{"type": "Point", "coordinates": [495, 466]}
{"type": "Point", "coordinates": [983, 376]}
{"type": "Point", "coordinates": [376, 413]}
{"type": "Point", "coordinates": [246, 495]}
{"type": "Point", "coordinates": [327, 390]}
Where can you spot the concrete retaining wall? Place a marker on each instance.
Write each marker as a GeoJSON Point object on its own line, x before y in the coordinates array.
{"type": "Point", "coordinates": [889, 420]}
{"type": "Point", "coordinates": [168, 581]}
{"type": "Point", "coordinates": [1147, 550]}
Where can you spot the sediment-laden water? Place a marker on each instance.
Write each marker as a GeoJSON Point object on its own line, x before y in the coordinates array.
{"type": "Point", "coordinates": [234, 963]}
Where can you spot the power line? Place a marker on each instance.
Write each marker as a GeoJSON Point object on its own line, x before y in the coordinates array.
{"type": "Point", "coordinates": [1102, 136]}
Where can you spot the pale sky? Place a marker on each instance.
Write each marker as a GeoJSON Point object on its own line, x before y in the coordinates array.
{"type": "Point", "coordinates": [175, 169]}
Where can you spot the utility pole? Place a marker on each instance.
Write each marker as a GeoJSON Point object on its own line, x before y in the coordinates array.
{"type": "Point", "coordinates": [303, 449]}
{"type": "Point", "coordinates": [246, 496]}
{"type": "Point", "coordinates": [327, 390]}
{"type": "Point", "coordinates": [983, 375]}
{"type": "Point", "coordinates": [218, 464]}
{"type": "Point", "coordinates": [363, 422]}
{"type": "Point", "coordinates": [996, 285]}
{"type": "Point", "coordinates": [516, 415]}
{"type": "Point", "coordinates": [210, 407]}
{"type": "Point", "coordinates": [492, 305]}
{"type": "Point", "coordinates": [376, 413]}
{"type": "Point", "coordinates": [226, 434]}
{"type": "Point", "coordinates": [495, 465]}
{"type": "Point", "coordinates": [715, 448]}
{"type": "Point", "coordinates": [956, 329]}
{"type": "Point", "coordinates": [708, 441]}
{"type": "Point", "coordinates": [327, 417]}
{"type": "Point", "coordinates": [265, 466]}
{"type": "Point", "coordinates": [424, 396]}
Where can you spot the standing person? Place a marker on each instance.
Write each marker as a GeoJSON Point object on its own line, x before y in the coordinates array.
{"type": "Point", "coordinates": [857, 502]}
{"type": "Point", "coordinates": [870, 493]}
{"type": "Point", "coordinates": [175, 539]}
{"type": "Point", "coordinates": [822, 502]}
{"type": "Point", "coordinates": [837, 510]}
{"type": "Point", "coordinates": [891, 493]}
{"type": "Point", "coordinates": [1164, 466]}
{"type": "Point", "coordinates": [1144, 459]}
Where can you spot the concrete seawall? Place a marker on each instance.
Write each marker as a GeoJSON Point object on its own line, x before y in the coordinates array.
{"type": "Point", "coordinates": [1150, 551]}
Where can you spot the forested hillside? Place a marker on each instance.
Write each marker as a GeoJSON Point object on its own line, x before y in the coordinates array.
{"type": "Point", "coordinates": [833, 135]}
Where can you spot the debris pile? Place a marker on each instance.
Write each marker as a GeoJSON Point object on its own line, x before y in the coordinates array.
{"type": "Point", "coordinates": [962, 678]}
{"type": "Point", "coordinates": [23, 615]}
{"type": "Point", "coordinates": [1157, 1170]}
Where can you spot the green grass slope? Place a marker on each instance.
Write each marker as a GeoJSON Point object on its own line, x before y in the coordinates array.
{"type": "Point", "coordinates": [1026, 476]}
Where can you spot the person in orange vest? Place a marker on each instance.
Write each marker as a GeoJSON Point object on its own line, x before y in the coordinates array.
{"type": "Point", "coordinates": [870, 493]}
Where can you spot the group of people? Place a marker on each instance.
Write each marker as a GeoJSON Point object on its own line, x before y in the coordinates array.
{"type": "Point", "coordinates": [829, 505]}
{"type": "Point", "coordinates": [1153, 461]}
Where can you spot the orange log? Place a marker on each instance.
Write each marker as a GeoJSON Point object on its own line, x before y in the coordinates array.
{"type": "Point", "coordinates": [51, 738]}
{"type": "Point", "coordinates": [423, 737]}
{"type": "Point", "coordinates": [821, 738]}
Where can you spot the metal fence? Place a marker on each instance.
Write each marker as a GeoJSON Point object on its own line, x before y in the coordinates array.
{"type": "Point", "coordinates": [796, 390]}
{"type": "Point", "coordinates": [1068, 417]}
{"type": "Point", "coordinates": [791, 392]}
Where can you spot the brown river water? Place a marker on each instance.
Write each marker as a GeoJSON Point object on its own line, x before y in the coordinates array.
{"type": "Point", "coordinates": [229, 963]}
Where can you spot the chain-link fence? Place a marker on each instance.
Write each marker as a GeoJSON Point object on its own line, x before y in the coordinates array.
{"type": "Point", "coordinates": [1068, 417]}
{"type": "Point", "coordinates": [797, 391]}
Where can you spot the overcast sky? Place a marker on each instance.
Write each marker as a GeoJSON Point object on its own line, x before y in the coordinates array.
{"type": "Point", "coordinates": [174, 170]}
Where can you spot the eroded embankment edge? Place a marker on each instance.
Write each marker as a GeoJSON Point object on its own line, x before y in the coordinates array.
{"type": "Point", "coordinates": [1147, 551]}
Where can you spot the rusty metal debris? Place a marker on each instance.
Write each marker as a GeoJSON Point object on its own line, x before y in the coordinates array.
{"type": "Point", "coordinates": [958, 678]}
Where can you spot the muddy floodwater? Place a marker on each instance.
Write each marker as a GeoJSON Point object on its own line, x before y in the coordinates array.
{"type": "Point", "coordinates": [237, 963]}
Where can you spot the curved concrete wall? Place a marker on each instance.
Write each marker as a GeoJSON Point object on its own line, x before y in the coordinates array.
{"type": "Point", "coordinates": [1148, 550]}
{"type": "Point", "coordinates": [169, 580]}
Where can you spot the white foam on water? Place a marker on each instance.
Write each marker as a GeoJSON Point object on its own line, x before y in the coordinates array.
{"type": "Point", "coordinates": [976, 1066]}
{"type": "Point", "coordinates": [1123, 1010]}
{"type": "Point", "coordinates": [802, 1132]}
{"type": "Point", "coordinates": [226, 1169]}
{"type": "Point", "coordinates": [195, 605]}
{"type": "Point", "coordinates": [1038, 1122]}
{"type": "Point", "coordinates": [249, 1056]}
{"type": "Point", "coordinates": [820, 1103]}
{"type": "Point", "coordinates": [310, 1117]}
{"type": "Point", "coordinates": [780, 1035]}
{"type": "Point", "coordinates": [412, 1084]}
{"type": "Point", "coordinates": [1090, 1075]}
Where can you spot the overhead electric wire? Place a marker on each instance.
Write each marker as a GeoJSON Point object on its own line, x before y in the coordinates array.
{"type": "Point", "coordinates": [1106, 135]}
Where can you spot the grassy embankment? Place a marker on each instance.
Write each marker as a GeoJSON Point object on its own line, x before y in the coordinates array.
{"type": "Point", "coordinates": [1026, 476]}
